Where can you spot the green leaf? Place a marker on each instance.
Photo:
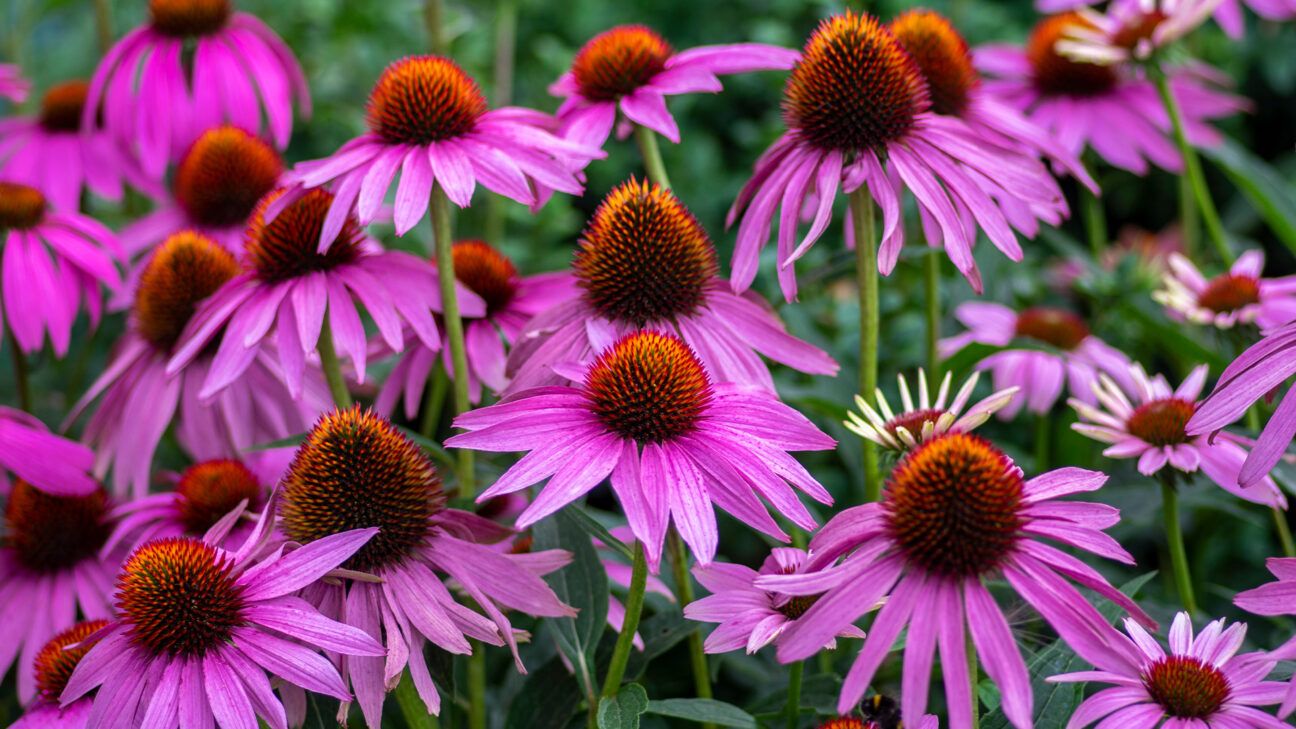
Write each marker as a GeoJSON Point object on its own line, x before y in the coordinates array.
{"type": "Point", "coordinates": [623, 710]}
{"type": "Point", "coordinates": [548, 699]}
{"type": "Point", "coordinates": [597, 531]}
{"type": "Point", "coordinates": [1267, 191]}
{"type": "Point", "coordinates": [583, 584]}
{"type": "Point", "coordinates": [703, 711]}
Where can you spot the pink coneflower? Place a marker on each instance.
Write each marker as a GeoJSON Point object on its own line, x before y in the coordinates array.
{"type": "Point", "coordinates": [1117, 114]}
{"type": "Point", "coordinates": [749, 617]}
{"type": "Point", "coordinates": [53, 666]}
{"type": "Point", "coordinates": [1256, 373]}
{"type": "Point", "coordinates": [511, 301]}
{"type": "Point", "coordinates": [12, 84]}
{"type": "Point", "coordinates": [53, 153]}
{"type": "Point", "coordinates": [52, 464]}
{"type": "Point", "coordinates": [1073, 358]}
{"type": "Point", "coordinates": [257, 408]}
{"type": "Point", "coordinates": [52, 571]}
{"type": "Point", "coordinates": [956, 511]}
{"type": "Point", "coordinates": [630, 68]}
{"type": "Point", "coordinates": [675, 443]}
{"type": "Point", "coordinates": [429, 119]}
{"type": "Point", "coordinates": [1227, 13]}
{"type": "Point", "coordinates": [196, 65]}
{"type": "Point", "coordinates": [1201, 683]}
{"type": "Point", "coordinates": [53, 262]}
{"type": "Point", "coordinates": [1239, 296]}
{"type": "Point", "coordinates": [199, 627]}
{"type": "Point", "coordinates": [858, 111]}
{"type": "Point", "coordinates": [1275, 598]}
{"type": "Point", "coordinates": [286, 287]}
{"type": "Point", "coordinates": [1147, 421]}
{"type": "Point", "coordinates": [644, 261]}
{"type": "Point", "coordinates": [1131, 30]}
{"type": "Point", "coordinates": [355, 470]}
{"type": "Point", "coordinates": [923, 419]}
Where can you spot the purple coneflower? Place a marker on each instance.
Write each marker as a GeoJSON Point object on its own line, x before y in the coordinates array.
{"type": "Point", "coordinates": [355, 470]}
{"type": "Point", "coordinates": [49, 462]}
{"type": "Point", "coordinates": [257, 408]}
{"type": "Point", "coordinates": [924, 419]}
{"type": "Point", "coordinates": [1227, 13]}
{"type": "Point", "coordinates": [956, 511]}
{"type": "Point", "coordinates": [1131, 30]}
{"type": "Point", "coordinates": [53, 262]}
{"type": "Point", "coordinates": [53, 666]}
{"type": "Point", "coordinates": [1239, 296]}
{"type": "Point", "coordinates": [1073, 356]}
{"type": "Point", "coordinates": [644, 261]}
{"type": "Point", "coordinates": [674, 442]}
{"type": "Point", "coordinates": [12, 84]}
{"type": "Point", "coordinates": [1275, 598]}
{"type": "Point", "coordinates": [1200, 683]}
{"type": "Point", "coordinates": [630, 68]}
{"type": "Point", "coordinates": [194, 66]}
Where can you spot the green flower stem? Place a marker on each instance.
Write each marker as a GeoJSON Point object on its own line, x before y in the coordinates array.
{"type": "Point", "coordinates": [1178, 555]}
{"type": "Point", "coordinates": [332, 368]}
{"type": "Point", "coordinates": [647, 141]}
{"type": "Point", "coordinates": [793, 709]}
{"type": "Point", "coordinates": [684, 596]}
{"type": "Point", "coordinates": [1095, 222]}
{"type": "Point", "coordinates": [433, 15]}
{"type": "Point", "coordinates": [434, 401]}
{"type": "Point", "coordinates": [932, 299]}
{"type": "Point", "coordinates": [1189, 220]}
{"type": "Point", "coordinates": [1284, 531]}
{"type": "Point", "coordinates": [103, 24]}
{"type": "Point", "coordinates": [477, 687]}
{"type": "Point", "coordinates": [442, 240]}
{"type": "Point", "coordinates": [633, 610]}
{"type": "Point", "coordinates": [866, 272]}
{"type": "Point", "coordinates": [1043, 442]}
{"type": "Point", "coordinates": [973, 674]}
{"type": "Point", "coordinates": [411, 706]}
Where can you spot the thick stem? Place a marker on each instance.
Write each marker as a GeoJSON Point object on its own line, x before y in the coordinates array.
{"type": "Point", "coordinates": [433, 15]}
{"type": "Point", "coordinates": [633, 609]}
{"type": "Point", "coordinates": [332, 368]}
{"type": "Point", "coordinates": [21, 381]}
{"type": "Point", "coordinates": [866, 273]}
{"type": "Point", "coordinates": [932, 299]}
{"type": "Point", "coordinates": [647, 141]}
{"type": "Point", "coordinates": [1043, 442]}
{"type": "Point", "coordinates": [103, 24]}
{"type": "Point", "coordinates": [1095, 222]}
{"type": "Point", "coordinates": [1193, 170]}
{"type": "Point", "coordinates": [434, 401]}
{"type": "Point", "coordinates": [1178, 555]}
{"type": "Point", "coordinates": [793, 709]}
{"type": "Point", "coordinates": [411, 706]}
{"type": "Point", "coordinates": [1284, 531]}
{"type": "Point", "coordinates": [477, 687]}
{"type": "Point", "coordinates": [973, 674]}
{"type": "Point", "coordinates": [440, 207]}
{"type": "Point", "coordinates": [684, 596]}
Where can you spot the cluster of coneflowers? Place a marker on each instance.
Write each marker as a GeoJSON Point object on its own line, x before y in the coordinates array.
{"type": "Point", "coordinates": [256, 293]}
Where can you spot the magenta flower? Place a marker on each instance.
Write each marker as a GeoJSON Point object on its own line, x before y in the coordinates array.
{"type": "Point", "coordinates": [199, 627]}
{"type": "Point", "coordinates": [53, 665]}
{"type": "Point", "coordinates": [955, 512]}
{"type": "Point", "coordinates": [49, 462]}
{"type": "Point", "coordinates": [750, 617]}
{"type": "Point", "coordinates": [1201, 683]}
{"type": "Point", "coordinates": [258, 407]}
{"type": "Point", "coordinates": [1275, 598]}
{"type": "Point", "coordinates": [674, 442]}
{"type": "Point", "coordinates": [12, 84]}
{"type": "Point", "coordinates": [511, 301]}
{"type": "Point", "coordinates": [52, 570]}
{"type": "Point", "coordinates": [844, 133]}
{"type": "Point", "coordinates": [1240, 296]}
{"type": "Point", "coordinates": [1229, 13]}
{"type": "Point", "coordinates": [1072, 355]}
{"type": "Point", "coordinates": [925, 418]}
{"type": "Point", "coordinates": [1148, 422]}
{"type": "Point", "coordinates": [53, 262]}
{"type": "Point", "coordinates": [54, 154]}
{"type": "Point", "coordinates": [631, 69]}
{"type": "Point", "coordinates": [645, 261]}
{"type": "Point", "coordinates": [196, 65]}
{"type": "Point", "coordinates": [356, 470]}
{"type": "Point", "coordinates": [1256, 373]}
{"type": "Point", "coordinates": [429, 119]}
{"type": "Point", "coordinates": [1132, 30]}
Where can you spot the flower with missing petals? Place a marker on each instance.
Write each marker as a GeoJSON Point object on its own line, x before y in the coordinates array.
{"type": "Point", "coordinates": [51, 463]}
{"type": "Point", "coordinates": [926, 418]}
{"type": "Point", "coordinates": [1238, 297]}
{"type": "Point", "coordinates": [53, 667]}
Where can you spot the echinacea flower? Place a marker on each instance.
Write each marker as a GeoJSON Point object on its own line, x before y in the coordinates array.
{"type": "Point", "coordinates": [924, 419]}
{"type": "Point", "coordinates": [1109, 109]}
{"type": "Point", "coordinates": [49, 462]}
{"type": "Point", "coordinates": [1148, 420]}
{"type": "Point", "coordinates": [54, 262]}
{"type": "Point", "coordinates": [750, 617]}
{"type": "Point", "coordinates": [1201, 682]}
{"type": "Point", "coordinates": [675, 442]}
{"type": "Point", "coordinates": [1062, 352]}
{"type": "Point", "coordinates": [1273, 599]}
{"type": "Point", "coordinates": [858, 112]}
{"type": "Point", "coordinates": [12, 84]}
{"type": "Point", "coordinates": [955, 512]}
{"type": "Point", "coordinates": [879, 712]}
{"type": "Point", "coordinates": [630, 68]}
{"type": "Point", "coordinates": [198, 628]}
{"type": "Point", "coordinates": [1256, 373]}
{"type": "Point", "coordinates": [257, 408]}
{"type": "Point", "coordinates": [1132, 30]}
{"type": "Point", "coordinates": [52, 571]}
{"type": "Point", "coordinates": [430, 120]}
{"type": "Point", "coordinates": [644, 261]}
{"type": "Point", "coordinates": [511, 301]}
{"type": "Point", "coordinates": [1239, 296]}
{"type": "Point", "coordinates": [357, 471]}
{"type": "Point", "coordinates": [53, 666]}
{"type": "Point", "coordinates": [53, 153]}
{"type": "Point", "coordinates": [1227, 13]}
{"type": "Point", "coordinates": [195, 65]}
{"type": "Point", "coordinates": [286, 287]}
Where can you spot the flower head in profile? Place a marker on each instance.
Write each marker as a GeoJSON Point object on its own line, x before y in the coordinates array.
{"type": "Point", "coordinates": [1201, 681]}
{"type": "Point", "coordinates": [1238, 297]}
{"type": "Point", "coordinates": [644, 261]}
{"type": "Point", "coordinates": [1132, 30]}
{"type": "Point", "coordinates": [51, 463]}
{"type": "Point", "coordinates": [196, 64]}
{"type": "Point", "coordinates": [675, 443]}
{"type": "Point", "coordinates": [631, 69]}
{"type": "Point", "coordinates": [956, 511]}
{"type": "Point", "coordinates": [53, 667]}
{"type": "Point", "coordinates": [1227, 13]}
{"type": "Point", "coordinates": [923, 419]}
{"type": "Point", "coordinates": [355, 470]}
{"type": "Point", "coordinates": [12, 84]}
{"type": "Point", "coordinates": [1275, 598]}
{"type": "Point", "coordinates": [53, 263]}
{"type": "Point", "coordinates": [1058, 350]}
